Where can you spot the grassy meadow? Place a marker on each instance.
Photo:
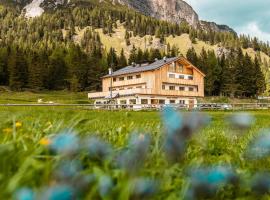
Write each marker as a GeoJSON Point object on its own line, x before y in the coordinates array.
{"type": "Point", "coordinates": [25, 162]}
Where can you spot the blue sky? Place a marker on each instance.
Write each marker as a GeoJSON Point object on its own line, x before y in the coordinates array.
{"type": "Point", "coordinates": [244, 16]}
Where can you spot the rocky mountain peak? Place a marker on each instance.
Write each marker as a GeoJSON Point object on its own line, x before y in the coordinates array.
{"type": "Point", "coordinates": [175, 11]}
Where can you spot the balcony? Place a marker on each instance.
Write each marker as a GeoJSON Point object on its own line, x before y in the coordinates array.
{"type": "Point", "coordinates": [128, 92]}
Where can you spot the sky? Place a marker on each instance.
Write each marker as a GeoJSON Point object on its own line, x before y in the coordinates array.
{"type": "Point", "coordinates": [250, 17]}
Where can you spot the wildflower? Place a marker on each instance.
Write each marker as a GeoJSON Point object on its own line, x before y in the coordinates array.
{"type": "Point", "coordinates": [260, 147]}
{"type": "Point", "coordinates": [63, 192]}
{"type": "Point", "coordinates": [142, 188]}
{"type": "Point", "coordinates": [205, 182]}
{"type": "Point", "coordinates": [136, 153]}
{"type": "Point", "coordinates": [65, 143]}
{"type": "Point", "coordinates": [179, 129]}
{"type": "Point", "coordinates": [45, 142]}
{"type": "Point", "coordinates": [67, 169]}
{"type": "Point", "coordinates": [241, 120]}
{"type": "Point", "coordinates": [260, 183]}
{"type": "Point", "coordinates": [18, 124]}
{"type": "Point", "coordinates": [7, 130]}
{"type": "Point", "coordinates": [82, 182]}
{"type": "Point", "coordinates": [24, 194]}
{"type": "Point", "coordinates": [98, 149]}
{"type": "Point", "coordinates": [105, 185]}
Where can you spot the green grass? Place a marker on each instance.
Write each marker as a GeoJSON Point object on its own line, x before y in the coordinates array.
{"type": "Point", "coordinates": [33, 97]}
{"type": "Point", "coordinates": [24, 163]}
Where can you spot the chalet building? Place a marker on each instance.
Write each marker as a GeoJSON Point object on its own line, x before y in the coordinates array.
{"type": "Point", "coordinates": [166, 81]}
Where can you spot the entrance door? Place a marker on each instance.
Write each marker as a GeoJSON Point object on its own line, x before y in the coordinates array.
{"type": "Point", "coordinates": [191, 104]}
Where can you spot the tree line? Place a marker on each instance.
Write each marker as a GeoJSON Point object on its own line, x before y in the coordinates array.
{"type": "Point", "coordinates": [233, 75]}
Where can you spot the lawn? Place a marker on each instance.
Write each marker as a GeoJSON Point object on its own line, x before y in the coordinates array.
{"type": "Point", "coordinates": [26, 162]}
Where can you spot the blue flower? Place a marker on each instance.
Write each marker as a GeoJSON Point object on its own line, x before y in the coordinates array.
{"type": "Point", "coordinates": [260, 147]}
{"type": "Point", "coordinates": [63, 192]}
{"type": "Point", "coordinates": [135, 154]}
{"type": "Point", "coordinates": [97, 149]}
{"type": "Point", "coordinates": [173, 121]}
{"type": "Point", "coordinates": [206, 181]}
{"type": "Point", "coordinates": [241, 120]}
{"type": "Point", "coordinates": [105, 185]}
{"type": "Point", "coordinates": [143, 188]}
{"type": "Point", "coordinates": [260, 183]}
{"type": "Point", "coordinates": [67, 169]}
{"type": "Point", "coordinates": [24, 194]}
{"type": "Point", "coordinates": [65, 143]}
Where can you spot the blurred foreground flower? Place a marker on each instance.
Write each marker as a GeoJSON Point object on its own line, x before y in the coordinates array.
{"type": "Point", "coordinates": [58, 192]}
{"type": "Point", "coordinates": [105, 185]}
{"type": "Point", "coordinates": [24, 194]}
{"type": "Point", "coordinates": [18, 124]}
{"type": "Point", "coordinates": [179, 129]}
{"type": "Point", "coordinates": [260, 184]}
{"type": "Point", "coordinates": [260, 147]}
{"type": "Point", "coordinates": [97, 149]}
{"type": "Point", "coordinates": [45, 142]}
{"type": "Point", "coordinates": [7, 130]}
{"type": "Point", "coordinates": [241, 121]}
{"type": "Point", "coordinates": [65, 143]}
{"type": "Point", "coordinates": [137, 150]}
{"type": "Point", "coordinates": [205, 182]}
{"type": "Point", "coordinates": [143, 188]}
{"type": "Point", "coordinates": [68, 169]}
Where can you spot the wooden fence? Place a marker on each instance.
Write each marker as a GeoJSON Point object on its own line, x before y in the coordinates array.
{"type": "Point", "coordinates": [199, 106]}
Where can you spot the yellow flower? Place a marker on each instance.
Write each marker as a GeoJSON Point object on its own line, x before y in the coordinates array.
{"type": "Point", "coordinates": [18, 124]}
{"type": "Point", "coordinates": [45, 141]}
{"type": "Point", "coordinates": [7, 130]}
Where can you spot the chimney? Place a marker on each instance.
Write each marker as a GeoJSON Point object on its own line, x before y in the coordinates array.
{"type": "Point", "coordinates": [165, 59]}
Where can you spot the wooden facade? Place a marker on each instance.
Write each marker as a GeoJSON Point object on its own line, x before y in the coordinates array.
{"type": "Point", "coordinates": [177, 79]}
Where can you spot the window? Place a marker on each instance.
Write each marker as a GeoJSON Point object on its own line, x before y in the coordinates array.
{"type": "Point", "coordinates": [191, 89]}
{"type": "Point", "coordinates": [171, 75]}
{"type": "Point", "coordinates": [144, 101]}
{"type": "Point", "coordinates": [121, 88]}
{"type": "Point", "coordinates": [163, 87]}
{"type": "Point", "coordinates": [129, 77]}
{"type": "Point", "coordinates": [182, 101]}
{"type": "Point", "coordinates": [181, 76]}
{"type": "Point", "coordinates": [172, 67]}
{"type": "Point", "coordinates": [114, 79]}
{"type": "Point", "coordinates": [182, 88]}
{"type": "Point", "coordinates": [129, 88]}
{"type": "Point", "coordinates": [132, 101]}
{"type": "Point", "coordinates": [139, 87]}
{"type": "Point", "coordinates": [161, 101]}
{"type": "Point", "coordinates": [113, 89]}
{"type": "Point", "coordinates": [181, 68]}
{"type": "Point", "coordinates": [172, 101]}
{"type": "Point", "coordinates": [138, 76]}
{"type": "Point", "coordinates": [121, 78]}
{"type": "Point", "coordinates": [190, 77]}
{"type": "Point", "coordinates": [123, 102]}
{"type": "Point", "coordinates": [171, 87]}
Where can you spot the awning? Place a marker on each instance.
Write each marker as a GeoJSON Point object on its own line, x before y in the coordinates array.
{"type": "Point", "coordinates": [114, 95]}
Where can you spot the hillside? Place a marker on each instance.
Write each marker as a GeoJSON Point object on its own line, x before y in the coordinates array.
{"type": "Point", "coordinates": [70, 44]}
{"type": "Point", "coordinates": [183, 43]}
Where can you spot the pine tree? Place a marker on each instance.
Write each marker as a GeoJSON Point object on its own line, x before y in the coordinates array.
{"type": "Point", "coordinates": [260, 79]}
{"type": "Point", "coordinates": [192, 56]}
{"type": "Point", "coordinates": [133, 55]}
{"type": "Point", "coordinates": [17, 68]}
{"type": "Point", "coordinates": [122, 61]}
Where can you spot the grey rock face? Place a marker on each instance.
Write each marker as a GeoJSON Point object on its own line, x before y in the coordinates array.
{"type": "Point", "coordinates": [169, 10]}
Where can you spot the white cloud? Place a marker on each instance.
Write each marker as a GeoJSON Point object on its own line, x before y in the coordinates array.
{"type": "Point", "coordinates": [245, 16]}
{"type": "Point", "coordinates": [253, 30]}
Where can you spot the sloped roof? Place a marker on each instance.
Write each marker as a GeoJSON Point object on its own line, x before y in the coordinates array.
{"type": "Point", "coordinates": [142, 68]}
